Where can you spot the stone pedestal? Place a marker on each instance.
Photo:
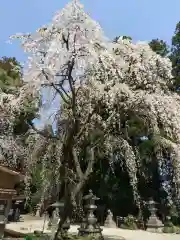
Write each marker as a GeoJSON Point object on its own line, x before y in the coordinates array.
{"type": "Point", "coordinates": [153, 224]}
{"type": "Point", "coordinates": [109, 222]}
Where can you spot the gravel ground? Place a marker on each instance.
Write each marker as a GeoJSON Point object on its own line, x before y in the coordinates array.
{"type": "Point", "coordinates": [32, 223]}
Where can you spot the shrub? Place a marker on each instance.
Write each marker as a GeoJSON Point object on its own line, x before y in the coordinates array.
{"type": "Point", "coordinates": [129, 223]}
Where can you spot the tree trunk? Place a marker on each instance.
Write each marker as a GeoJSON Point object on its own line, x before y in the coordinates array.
{"type": "Point", "coordinates": [66, 213]}
{"type": "Point", "coordinates": [70, 202]}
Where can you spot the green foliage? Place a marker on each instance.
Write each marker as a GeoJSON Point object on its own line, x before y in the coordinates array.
{"type": "Point", "coordinates": [160, 47]}
{"type": "Point", "coordinates": [123, 37]}
{"type": "Point", "coordinates": [136, 127]}
{"type": "Point", "coordinates": [171, 229]}
{"type": "Point", "coordinates": [76, 237]}
{"type": "Point", "coordinates": [11, 66]}
{"type": "Point", "coordinates": [10, 75]}
{"type": "Point", "coordinates": [27, 115]}
{"type": "Point", "coordinates": [35, 188]}
{"type": "Point", "coordinates": [10, 83]}
{"type": "Point", "coordinates": [37, 236]}
{"type": "Point", "coordinates": [129, 223]}
{"type": "Point", "coordinates": [175, 55]}
{"type": "Point", "coordinates": [43, 236]}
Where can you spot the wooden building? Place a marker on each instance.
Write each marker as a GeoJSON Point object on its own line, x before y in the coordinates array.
{"type": "Point", "coordinates": [8, 179]}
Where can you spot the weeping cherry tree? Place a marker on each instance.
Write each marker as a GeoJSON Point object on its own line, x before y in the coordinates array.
{"type": "Point", "coordinates": [61, 56]}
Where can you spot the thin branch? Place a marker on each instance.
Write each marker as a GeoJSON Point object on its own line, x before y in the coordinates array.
{"type": "Point", "coordinates": [66, 41]}
{"type": "Point", "coordinates": [70, 80]}
{"type": "Point", "coordinates": [60, 93]}
{"type": "Point", "coordinates": [65, 92]}
{"type": "Point", "coordinates": [54, 86]}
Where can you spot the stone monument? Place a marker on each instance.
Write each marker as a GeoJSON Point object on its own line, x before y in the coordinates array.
{"type": "Point", "coordinates": [153, 224]}
{"type": "Point", "coordinates": [109, 222]}
{"type": "Point", "coordinates": [38, 210]}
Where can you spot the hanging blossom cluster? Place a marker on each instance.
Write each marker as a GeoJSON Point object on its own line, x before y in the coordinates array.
{"type": "Point", "coordinates": [112, 81]}
{"type": "Point", "coordinates": [135, 81]}
{"type": "Point", "coordinates": [71, 35]}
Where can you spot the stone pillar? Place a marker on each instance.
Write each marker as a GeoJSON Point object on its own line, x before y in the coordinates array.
{"type": "Point", "coordinates": [2, 217]}
{"type": "Point", "coordinates": [109, 222]}
{"type": "Point", "coordinates": [7, 209]}
{"type": "Point", "coordinates": [17, 210]}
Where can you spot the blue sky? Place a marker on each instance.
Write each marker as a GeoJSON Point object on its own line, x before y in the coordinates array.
{"type": "Point", "coordinates": [141, 19]}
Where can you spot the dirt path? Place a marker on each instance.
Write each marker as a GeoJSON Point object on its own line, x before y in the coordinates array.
{"type": "Point", "coordinates": [30, 224]}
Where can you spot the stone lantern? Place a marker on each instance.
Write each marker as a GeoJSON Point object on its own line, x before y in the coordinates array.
{"type": "Point", "coordinates": [56, 213]}
{"type": "Point", "coordinates": [57, 216]}
{"type": "Point", "coordinates": [90, 226]}
{"type": "Point", "coordinates": [153, 224]}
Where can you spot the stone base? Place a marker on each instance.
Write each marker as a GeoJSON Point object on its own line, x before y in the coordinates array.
{"type": "Point", "coordinates": [155, 230]}
{"type": "Point", "coordinates": [154, 224]}
{"type": "Point", "coordinates": [111, 224]}
{"type": "Point", "coordinates": [2, 227]}
{"type": "Point", "coordinates": [95, 233]}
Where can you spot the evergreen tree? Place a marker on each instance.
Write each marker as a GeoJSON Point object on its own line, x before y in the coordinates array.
{"type": "Point", "coordinates": [122, 37]}
{"type": "Point", "coordinates": [175, 56]}
{"type": "Point", "coordinates": [160, 47]}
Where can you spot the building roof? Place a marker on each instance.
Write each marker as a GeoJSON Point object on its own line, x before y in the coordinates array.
{"type": "Point", "coordinates": [11, 172]}
{"type": "Point", "coordinates": [7, 191]}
